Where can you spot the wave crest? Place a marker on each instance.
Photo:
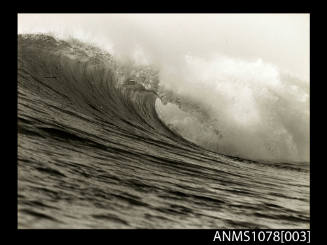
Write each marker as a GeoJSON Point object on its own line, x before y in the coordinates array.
{"type": "Point", "coordinates": [241, 108]}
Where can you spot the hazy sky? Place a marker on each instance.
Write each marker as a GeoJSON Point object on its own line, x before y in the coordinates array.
{"type": "Point", "coordinates": [280, 39]}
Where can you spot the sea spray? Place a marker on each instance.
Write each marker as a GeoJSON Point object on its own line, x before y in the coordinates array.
{"type": "Point", "coordinates": [244, 108]}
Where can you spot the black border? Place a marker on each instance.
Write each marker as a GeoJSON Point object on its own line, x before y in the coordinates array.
{"type": "Point", "coordinates": [153, 236]}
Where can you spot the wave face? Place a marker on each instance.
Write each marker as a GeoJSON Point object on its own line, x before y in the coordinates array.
{"type": "Point", "coordinates": [93, 153]}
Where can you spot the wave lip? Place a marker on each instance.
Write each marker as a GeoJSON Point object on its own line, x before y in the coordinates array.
{"type": "Point", "coordinates": [92, 152]}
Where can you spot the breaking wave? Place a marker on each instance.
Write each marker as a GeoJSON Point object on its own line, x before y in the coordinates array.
{"type": "Point", "coordinates": [95, 133]}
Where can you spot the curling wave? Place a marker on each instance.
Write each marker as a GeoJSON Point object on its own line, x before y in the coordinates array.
{"type": "Point", "coordinates": [93, 152]}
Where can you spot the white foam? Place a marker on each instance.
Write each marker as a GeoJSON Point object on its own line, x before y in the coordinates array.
{"type": "Point", "coordinates": [258, 113]}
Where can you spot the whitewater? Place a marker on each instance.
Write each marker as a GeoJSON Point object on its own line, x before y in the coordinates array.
{"type": "Point", "coordinates": [103, 143]}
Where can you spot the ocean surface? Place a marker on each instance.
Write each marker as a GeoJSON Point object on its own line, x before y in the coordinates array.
{"type": "Point", "coordinates": [93, 153]}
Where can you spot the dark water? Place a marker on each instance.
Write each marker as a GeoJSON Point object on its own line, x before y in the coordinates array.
{"type": "Point", "coordinates": [92, 153]}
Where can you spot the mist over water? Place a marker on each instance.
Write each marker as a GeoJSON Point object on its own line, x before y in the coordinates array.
{"type": "Point", "coordinates": [234, 85]}
{"type": "Point", "coordinates": [238, 107]}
